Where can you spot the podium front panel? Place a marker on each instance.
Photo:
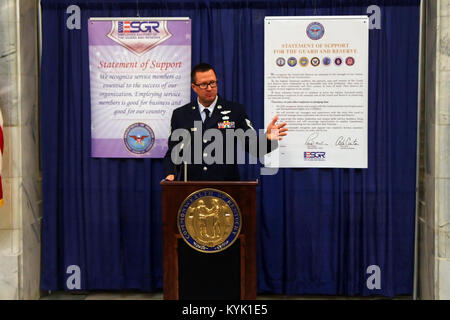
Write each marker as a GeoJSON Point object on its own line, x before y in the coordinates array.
{"type": "Point", "coordinates": [190, 274]}
{"type": "Point", "coordinates": [209, 276]}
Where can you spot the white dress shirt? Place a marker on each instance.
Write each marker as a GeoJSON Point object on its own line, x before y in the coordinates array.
{"type": "Point", "coordinates": [210, 108]}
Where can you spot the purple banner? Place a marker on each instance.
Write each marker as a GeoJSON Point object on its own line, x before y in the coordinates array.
{"type": "Point", "coordinates": [139, 72]}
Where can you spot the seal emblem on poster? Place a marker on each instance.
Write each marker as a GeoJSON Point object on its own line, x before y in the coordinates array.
{"type": "Point", "coordinates": [209, 220]}
{"type": "Point", "coordinates": [139, 138]}
{"type": "Point", "coordinates": [303, 61]}
{"type": "Point", "coordinates": [315, 31]}
{"type": "Point", "coordinates": [281, 62]}
{"type": "Point", "coordinates": [315, 61]}
{"type": "Point", "coordinates": [350, 61]}
{"type": "Point", "coordinates": [292, 61]}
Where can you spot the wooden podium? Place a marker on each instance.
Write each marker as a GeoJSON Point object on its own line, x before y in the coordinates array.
{"type": "Point", "coordinates": [174, 194]}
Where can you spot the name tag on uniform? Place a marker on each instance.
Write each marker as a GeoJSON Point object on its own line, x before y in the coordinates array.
{"type": "Point", "coordinates": [226, 125]}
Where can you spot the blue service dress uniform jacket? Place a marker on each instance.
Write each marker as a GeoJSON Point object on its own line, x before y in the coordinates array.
{"type": "Point", "coordinates": [230, 113]}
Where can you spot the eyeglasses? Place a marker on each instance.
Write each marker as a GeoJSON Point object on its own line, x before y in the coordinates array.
{"type": "Point", "coordinates": [212, 84]}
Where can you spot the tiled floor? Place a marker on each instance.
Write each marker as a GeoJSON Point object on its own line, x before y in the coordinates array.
{"type": "Point", "coordinates": [112, 295]}
{"type": "Point", "coordinates": [159, 296]}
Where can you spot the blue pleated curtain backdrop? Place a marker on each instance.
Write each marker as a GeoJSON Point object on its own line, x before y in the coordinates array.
{"type": "Point", "coordinates": [318, 229]}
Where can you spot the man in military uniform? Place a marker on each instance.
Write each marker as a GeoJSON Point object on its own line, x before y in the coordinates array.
{"type": "Point", "coordinates": [214, 112]}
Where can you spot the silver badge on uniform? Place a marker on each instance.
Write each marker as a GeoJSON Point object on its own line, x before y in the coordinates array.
{"type": "Point", "coordinates": [249, 124]}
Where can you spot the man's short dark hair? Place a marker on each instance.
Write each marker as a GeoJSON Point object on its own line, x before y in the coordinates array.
{"type": "Point", "coordinates": [201, 67]}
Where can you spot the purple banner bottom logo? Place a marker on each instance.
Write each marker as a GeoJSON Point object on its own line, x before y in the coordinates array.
{"type": "Point", "coordinates": [139, 138]}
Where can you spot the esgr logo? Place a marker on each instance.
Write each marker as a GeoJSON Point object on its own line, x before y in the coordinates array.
{"type": "Point", "coordinates": [139, 36]}
{"type": "Point", "coordinates": [138, 26]}
{"type": "Point", "coordinates": [314, 156]}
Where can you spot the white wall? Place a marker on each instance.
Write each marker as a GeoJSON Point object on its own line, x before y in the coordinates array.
{"type": "Point", "coordinates": [21, 212]}
{"type": "Point", "coordinates": [434, 172]}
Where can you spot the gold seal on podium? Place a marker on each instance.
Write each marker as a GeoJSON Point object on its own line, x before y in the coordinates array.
{"type": "Point", "coordinates": [209, 220]}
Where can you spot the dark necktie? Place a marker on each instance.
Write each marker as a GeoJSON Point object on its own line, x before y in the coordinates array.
{"type": "Point", "coordinates": [207, 112]}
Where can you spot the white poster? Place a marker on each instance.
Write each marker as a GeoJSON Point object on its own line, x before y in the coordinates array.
{"type": "Point", "coordinates": [316, 79]}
